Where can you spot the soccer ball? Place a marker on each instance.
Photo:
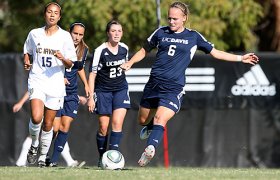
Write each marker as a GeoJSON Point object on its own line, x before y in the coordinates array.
{"type": "Point", "coordinates": [112, 160]}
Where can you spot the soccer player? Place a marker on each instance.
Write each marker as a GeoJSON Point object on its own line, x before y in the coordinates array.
{"type": "Point", "coordinates": [66, 115]}
{"type": "Point", "coordinates": [107, 81]}
{"type": "Point", "coordinates": [52, 50]}
{"type": "Point", "coordinates": [162, 96]}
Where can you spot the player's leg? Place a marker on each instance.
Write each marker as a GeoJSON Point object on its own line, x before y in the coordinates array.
{"type": "Point", "coordinates": [117, 123]}
{"type": "Point", "coordinates": [56, 124]}
{"type": "Point", "coordinates": [61, 138]}
{"type": "Point", "coordinates": [46, 136]}
{"type": "Point", "coordinates": [162, 116]}
{"type": "Point", "coordinates": [21, 161]}
{"type": "Point", "coordinates": [102, 134]}
{"type": "Point", "coordinates": [120, 104]}
{"type": "Point", "coordinates": [37, 111]}
{"type": "Point", "coordinates": [52, 104]}
{"type": "Point", "coordinates": [146, 119]}
{"type": "Point", "coordinates": [103, 108]}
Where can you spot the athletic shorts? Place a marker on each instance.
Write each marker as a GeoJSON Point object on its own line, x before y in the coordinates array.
{"type": "Point", "coordinates": [156, 94]}
{"type": "Point", "coordinates": [107, 102]}
{"type": "Point", "coordinates": [70, 106]}
{"type": "Point", "coordinates": [54, 103]}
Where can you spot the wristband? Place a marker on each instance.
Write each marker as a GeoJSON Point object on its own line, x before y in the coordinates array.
{"type": "Point", "coordinates": [239, 58]}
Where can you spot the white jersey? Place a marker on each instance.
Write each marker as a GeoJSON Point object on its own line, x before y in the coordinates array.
{"type": "Point", "coordinates": [47, 72]}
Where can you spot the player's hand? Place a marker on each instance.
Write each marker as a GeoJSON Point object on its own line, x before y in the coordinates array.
{"type": "Point", "coordinates": [91, 104]}
{"type": "Point", "coordinates": [126, 66]}
{"type": "Point", "coordinates": [66, 81]}
{"type": "Point", "coordinates": [58, 55]}
{"type": "Point", "coordinates": [17, 107]}
{"type": "Point", "coordinates": [27, 64]}
{"type": "Point", "coordinates": [82, 100]}
{"type": "Point", "coordinates": [250, 58]}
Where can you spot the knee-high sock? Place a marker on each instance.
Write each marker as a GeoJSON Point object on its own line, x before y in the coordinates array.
{"type": "Point", "coordinates": [21, 161]}
{"type": "Point", "coordinates": [34, 131]}
{"type": "Point", "coordinates": [115, 139]}
{"type": "Point", "coordinates": [46, 140]}
{"type": "Point", "coordinates": [150, 124]}
{"type": "Point", "coordinates": [155, 136]}
{"type": "Point", "coordinates": [101, 144]}
{"type": "Point", "coordinates": [59, 145]}
{"type": "Point", "coordinates": [66, 155]}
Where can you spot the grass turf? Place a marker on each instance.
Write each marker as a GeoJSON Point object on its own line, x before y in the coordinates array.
{"type": "Point", "coordinates": [132, 173]}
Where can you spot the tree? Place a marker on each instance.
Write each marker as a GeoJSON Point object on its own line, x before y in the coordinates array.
{"type": "Point", "coordinates": [268, 28]}
{"type": "Point", "coordinates": [226, 23]}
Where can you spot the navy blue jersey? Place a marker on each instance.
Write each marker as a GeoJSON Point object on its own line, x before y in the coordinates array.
{"type": "Point", "coordinates": [71, 75]}
{"type": "Point", "coordinates": [110, 76]}
{"type": "Point", "coordinates": [175, 52]}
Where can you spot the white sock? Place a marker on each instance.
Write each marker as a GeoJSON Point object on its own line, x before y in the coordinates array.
{"type": "Point", "coordinates": [66, 155]}
{"type": "Point", "coordinates": [34, 131]}
{"type": "Point", "coordinates": [46, 140]}
{"type": "Point", "coordinates": [24, 150]}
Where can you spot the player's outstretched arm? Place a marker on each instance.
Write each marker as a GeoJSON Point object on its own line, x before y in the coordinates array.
{"type": "Point", "coordinates": [249, 58]}
{"type": "Point", "coordinates": [136, 58]}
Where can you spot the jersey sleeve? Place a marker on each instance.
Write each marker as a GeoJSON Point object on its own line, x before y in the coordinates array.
{"type": "Point", "coordinates": [95, 60]}
{"type": "Point", "coordinates": [152, 41]}
{"type": "Point", "coordinates": [69, 48]}
{"type": "Point", "coordinates": [27, 48]}
{"type": "Point", "coordinates": [203, 44]}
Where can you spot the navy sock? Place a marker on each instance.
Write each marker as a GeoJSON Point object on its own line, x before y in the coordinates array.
{"type": "Point", "coordinates": [155, 136]}
{"type": "Point", "coordinates": [115, 139]}
{"type": "Point", "coordinates": [150, 124]}
{"type": "Point", "coordinates": [59, 145]}
{"type": "Point", "coordinates": [101, 144]}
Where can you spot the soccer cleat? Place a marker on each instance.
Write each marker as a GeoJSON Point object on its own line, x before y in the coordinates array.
{"type": "Point", "coordinates": [99, 164]}
{"type": "Point", "coordinates": [145, 133]}
{"type": "Point", "coordinates": [41, 164]}
{"type": "Point", "coordinates": [147, 156]}
{"type": "Point", "coordinates": [53, 164]}
{"type": "Point", "coordinates": [48, 161]}
{"type": "Point", "coordinates": [32, 155]}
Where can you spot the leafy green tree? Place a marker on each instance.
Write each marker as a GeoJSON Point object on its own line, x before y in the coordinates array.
{"type": "Point", "coordinates": [228, 24]}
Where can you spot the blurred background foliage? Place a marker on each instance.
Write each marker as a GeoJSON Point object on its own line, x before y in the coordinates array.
{"type": "Point", "coordinates": [232, 25]}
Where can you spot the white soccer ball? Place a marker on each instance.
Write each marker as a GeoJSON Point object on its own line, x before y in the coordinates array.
{"type": "Point", "coordinates": [112, 160]}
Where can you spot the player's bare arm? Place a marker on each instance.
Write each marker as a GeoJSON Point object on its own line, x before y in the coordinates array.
{"type": "Point", "coordinates": [136, 58]}
{"type": "Point", "coordinates": [249, 58]}
{"type": "Point", "coordinates": [91, 81]}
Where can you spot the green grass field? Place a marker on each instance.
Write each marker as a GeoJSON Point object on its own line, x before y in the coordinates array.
{"type": "Point", "coordinates": [137, 173]}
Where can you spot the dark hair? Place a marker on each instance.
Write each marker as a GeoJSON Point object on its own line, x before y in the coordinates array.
{"type": "Point", "coordinates": [82, 46]}
{"type": "Point", "coordinates": [74, 24]}
{"type": "Point", "coordinates": [182, 6]}
{"type": "Point", "coordinates": [112, 22]}
{"type": "Point", "coordinates": [52, 3]}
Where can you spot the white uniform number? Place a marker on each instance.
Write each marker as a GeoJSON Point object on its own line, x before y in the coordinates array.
{"type": "Point", "coordinates": [171, 50]}
{"type": "Point", "coordinates": [115, 72]}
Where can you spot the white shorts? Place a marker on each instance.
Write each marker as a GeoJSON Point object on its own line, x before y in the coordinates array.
{"type": "Point", "coordinates": [54, 103]}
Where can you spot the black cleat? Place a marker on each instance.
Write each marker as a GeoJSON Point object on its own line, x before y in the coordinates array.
{"type": "Point", "coordinates": [32, 155]}
{"type": "Point", "coordinates": [53, 165]}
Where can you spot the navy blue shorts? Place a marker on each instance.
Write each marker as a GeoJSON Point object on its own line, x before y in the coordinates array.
{"type": "Point", "coordinates": [70, 106]}
{"type": "Point", "coordinates": [157, 94]}
{"type": "Point", "coordinates": [107, 102]}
